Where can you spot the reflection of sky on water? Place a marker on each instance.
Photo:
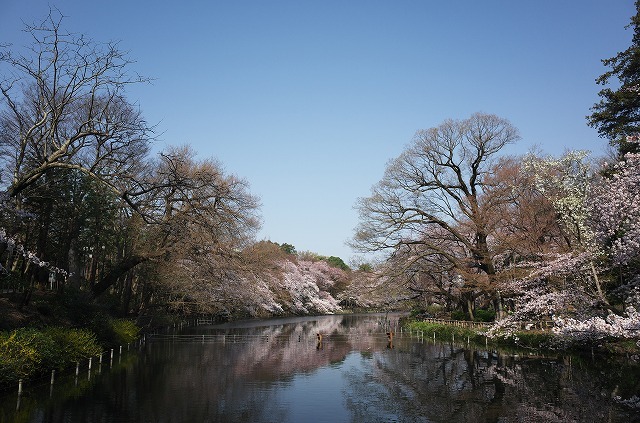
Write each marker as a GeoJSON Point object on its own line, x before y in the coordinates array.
{"type": "Point", "coordinates": [315, 397]}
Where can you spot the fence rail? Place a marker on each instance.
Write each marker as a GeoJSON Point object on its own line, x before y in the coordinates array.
{"type": "Point", "coordinates": [459, 323]}
{"type": "Point", "coordinates": [241, 337]}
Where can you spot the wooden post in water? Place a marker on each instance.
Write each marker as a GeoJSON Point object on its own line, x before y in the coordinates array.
{"type": "Point", "coordinates": [20, 387]}
{"type": "Point", "coordinates": [53, 376]}
{"type": "Point", "coordinates": [90, 363]}
{"type": "Point", "coordinates": [77, 368]}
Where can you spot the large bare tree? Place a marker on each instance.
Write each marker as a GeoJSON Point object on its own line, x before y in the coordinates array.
{"type": "Point", "coordinates": [438, 201]}
{"type": "Point", "coordinates": [188, 211]}
{"type": "Point", "coordinates": [64, 106]}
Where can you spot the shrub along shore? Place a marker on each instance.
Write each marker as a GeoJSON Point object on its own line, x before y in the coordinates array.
{"type": "Point", "coordinates": [538, 340]}
{"type": "Point", "coordinates": [31, 353]}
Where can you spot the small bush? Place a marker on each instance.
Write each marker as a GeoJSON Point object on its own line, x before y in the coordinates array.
{"type": "Point", "coordinates": [458, 315]}
{"type": "Point", "coordinates": [114, 332]}
{"type": "Point", "coordinates": [21, 354]}
{"type": "Point", "coordinates": [534, 339]}
{"type": "Point", "coordinates": [416, 312]}
{"type": "Point", "coordinates": [484, 315]}
{"type": "Point", "coordinates": [75, 344]}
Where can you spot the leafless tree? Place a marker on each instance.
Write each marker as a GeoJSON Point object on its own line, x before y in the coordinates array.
{"type": "Point", "coordinates": [438, 198]}
{"type": "Point", "coordinates": [64, 106]}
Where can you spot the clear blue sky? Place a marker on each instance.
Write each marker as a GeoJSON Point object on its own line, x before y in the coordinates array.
{"type": "Point", "coordinates": [308, 100]}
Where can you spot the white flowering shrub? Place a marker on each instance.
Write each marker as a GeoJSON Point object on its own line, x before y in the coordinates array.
{"type": "Point", "coordinates": [558, 285]}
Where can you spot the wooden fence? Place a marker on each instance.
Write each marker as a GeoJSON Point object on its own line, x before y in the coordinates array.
{"type": "Point", "coordinates": [459, 323]}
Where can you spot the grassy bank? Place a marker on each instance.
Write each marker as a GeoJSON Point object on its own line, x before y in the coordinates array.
{"type": "Point", "coordinates": [478, 336]}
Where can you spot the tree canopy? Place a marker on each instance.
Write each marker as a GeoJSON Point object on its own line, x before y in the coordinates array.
{"type": "Point", "coordinates": [438, 200]}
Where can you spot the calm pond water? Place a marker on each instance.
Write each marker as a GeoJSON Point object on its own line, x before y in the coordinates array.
{"type": "Point", "coordinates": [277, 371]}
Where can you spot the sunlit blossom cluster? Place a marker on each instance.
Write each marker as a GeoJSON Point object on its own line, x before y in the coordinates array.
{"type": "Point", "coordinates": [553, 265]}
{"type": "Point", "coordinates": [557, 285]}
{"type": "Point", "coordinates": [531, 309]}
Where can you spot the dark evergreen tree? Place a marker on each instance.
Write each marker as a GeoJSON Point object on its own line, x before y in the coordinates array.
{"type": "Point", "coordinates": [617, 115]}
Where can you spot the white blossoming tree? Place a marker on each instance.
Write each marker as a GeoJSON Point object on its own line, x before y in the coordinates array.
{"type": "Point", "coordinates": [601, 218]}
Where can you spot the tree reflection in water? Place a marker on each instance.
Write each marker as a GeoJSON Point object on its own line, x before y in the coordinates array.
{"type": "Point", "coordinates": [280, 371]}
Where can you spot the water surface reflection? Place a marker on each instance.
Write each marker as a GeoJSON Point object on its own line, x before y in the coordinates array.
{"type": "Point", "coordinates": [278, 371]}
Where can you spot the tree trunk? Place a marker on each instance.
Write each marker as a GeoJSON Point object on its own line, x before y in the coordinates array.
{"type": "Point", "coordinates": [470, 308]}
{"type": "Point", "coordinates": [126, 293]}
{"type": "Point", "coordinates": [597, 281]}
{"type": "Point", "coordinates": [497, 305]}
{"type": "Point", "coordinates": [93, 269]}
{"type": "Point", "coordinates": [116, 272]}
{"type": "Point", "coordinates": [74, 265]}
{"type": "Point", "coordinates": [26, 296]}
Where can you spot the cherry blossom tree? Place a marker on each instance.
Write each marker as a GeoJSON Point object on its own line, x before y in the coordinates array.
{"type": "Point", "coordinates": [567, 183]}
{"type": "Point", "coordinates": [616, 220]}
{"type": "Point", "coordinates": [617, 211]}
